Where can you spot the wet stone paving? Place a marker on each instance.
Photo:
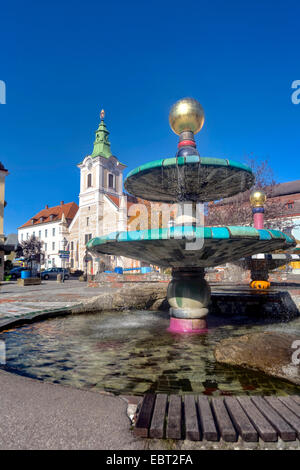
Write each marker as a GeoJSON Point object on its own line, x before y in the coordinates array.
{"type": "Point", "coordinates": [132, 353]}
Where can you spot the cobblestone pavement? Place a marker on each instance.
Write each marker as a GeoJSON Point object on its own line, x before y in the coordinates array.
{"type": "Point", "coordinates": [17, 301]}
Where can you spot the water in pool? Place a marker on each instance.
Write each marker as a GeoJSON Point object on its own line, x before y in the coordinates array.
{"type": "Point", "coordinates": [132, 353]}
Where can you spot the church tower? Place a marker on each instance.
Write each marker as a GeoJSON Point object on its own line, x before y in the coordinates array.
{"type": "Point", "coordinates": [101, 191]}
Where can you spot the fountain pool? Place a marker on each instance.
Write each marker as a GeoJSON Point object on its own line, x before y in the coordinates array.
{"type": "Point", "coordinates": [130, 353]}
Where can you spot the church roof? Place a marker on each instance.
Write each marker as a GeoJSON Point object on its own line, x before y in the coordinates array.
{"type": "Point", "coordinates": [53, 214]}
{"type": "Point", "coordinates": [130, 200]}
{"type": "Point", "coordinates": [102, 144]}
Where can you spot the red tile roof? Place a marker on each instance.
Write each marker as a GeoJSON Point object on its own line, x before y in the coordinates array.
{"type": "Point", "coordinates": [114, 199]}
{"type": "Point", "coordinates": [130, 200]}
{"type": "Point", "coordinates": [69, 210]}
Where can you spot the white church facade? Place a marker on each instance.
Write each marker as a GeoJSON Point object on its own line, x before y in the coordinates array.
{"type": "Point", "coordinates": [102, 206]}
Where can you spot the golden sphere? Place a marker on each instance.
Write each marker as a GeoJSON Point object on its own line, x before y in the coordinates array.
{"type": "Point", "coordinates": [258, 198]}
{"type": "Point", "coordinates": [186, 115]}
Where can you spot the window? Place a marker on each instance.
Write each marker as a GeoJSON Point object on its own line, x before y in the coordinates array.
{"type": "Point", "coordinates": [53, 245]}
{"type": "Point", "coordinates": [21, 237]}
{"type": "Point", "coordinates": [45, 246]}
{"type": "Point", "coordinates": [40, 233]}
{"type": "Point", "coordinates": [290, 205]}
{"type": "Point", "coordinates": [87, 237]}
{"type": "Point", "coordinates": [87, 221]}
{"type": "Point", "coordinates": [110, 180]}
{"type": "Point", "coordinates": [27, 235]}
{"type": "Point", "coordinates": [33, 234]}
{"type": "Point", "coordinates": [46, 233]}
{"type": "Point", "coordinates": [72, 246]}
{"type": "Point", "coordinates": [72, 263]}
{"type": "Point", "coordinates": [53, 232]}
{"type": "Point", "coordinates": [89, 180]}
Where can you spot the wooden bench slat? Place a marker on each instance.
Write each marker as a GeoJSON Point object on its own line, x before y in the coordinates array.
{"type": "Point", "coordinates": [191, 419]}
{"type": "Point", "coordinates": [174, 418]}
{"type": "Point", "coordinates": [241, 420]}
{"type": "Point", "coordinates": [144, 417]}
{"type": "Point", "coordinates": [285, 413]}
{"type": "Point", "coordinates": [158, 418]}
{"type": "Point", "coordinates": [291, 404]}
{"type": "Point", "coordinates": [248, 417]}
{"type": "Point", "coordinates": [285, 431]}
{"type": "Point", "coordinates": [296, 398]}
{"type": "Point", "coordinates": [225, 425]}
{"type": "Point", "coordinates": [261, 424]}
{"type": "Point", "coordinates": [208, 426]}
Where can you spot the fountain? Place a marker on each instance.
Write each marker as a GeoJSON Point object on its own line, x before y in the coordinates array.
{"type": "Point", "coordinates": [189, 179]}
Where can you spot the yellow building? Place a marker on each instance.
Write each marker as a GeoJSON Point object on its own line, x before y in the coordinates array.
{"type": "Point", "coordinates": [3, 174]}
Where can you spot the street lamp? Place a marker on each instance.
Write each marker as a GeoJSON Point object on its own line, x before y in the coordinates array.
{"type": "Point", "coordinates": [65, 241]}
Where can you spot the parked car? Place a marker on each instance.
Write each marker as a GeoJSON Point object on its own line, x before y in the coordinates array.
{"type": "Point", "coordinates": [15, 272]}
{"type": "Point", "coordinates": [52, 273]}
{"type": "Point", "coordinates": [77, 273]}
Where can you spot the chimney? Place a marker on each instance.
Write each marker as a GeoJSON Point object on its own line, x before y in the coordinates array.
{"type": "Point", "coordinates": [46, 207]}
{"type": "Point", "coordinates": [61, 203]}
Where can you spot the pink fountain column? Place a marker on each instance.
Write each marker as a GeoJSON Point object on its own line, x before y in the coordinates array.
{"type": "Point", "coordinates": [187, 325]}
{"type": "Point", "coordinates": [258, 217]}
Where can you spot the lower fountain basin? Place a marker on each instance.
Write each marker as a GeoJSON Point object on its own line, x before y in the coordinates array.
{"type": "Point", "coordinates": [189, 246]}
{"type": "Point", "coordinates": [132, 353]}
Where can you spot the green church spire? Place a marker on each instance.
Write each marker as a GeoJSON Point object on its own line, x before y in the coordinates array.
{"type": "Point", "coordinates": [102, 144]}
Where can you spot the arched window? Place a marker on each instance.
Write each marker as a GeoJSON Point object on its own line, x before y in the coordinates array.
{"type": "Point", "coordinates": [89, 180]}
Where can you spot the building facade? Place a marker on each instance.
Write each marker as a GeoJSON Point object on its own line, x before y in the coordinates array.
{"type": "Point", "coordinates": [289, 194]}
{"type": "Point", "coordinates": [3, 174]}
{"type": "Point", "coordinates": [51, 226]}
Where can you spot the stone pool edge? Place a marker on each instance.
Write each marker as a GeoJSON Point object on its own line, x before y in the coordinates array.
{"type": "Point", "coordinates": [39, 316]}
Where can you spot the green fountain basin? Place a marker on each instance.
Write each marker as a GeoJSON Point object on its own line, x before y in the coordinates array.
{"type": "Point", "coordinates": [168, 246]}
{"type": "Point", "coordinates": [190, 178]}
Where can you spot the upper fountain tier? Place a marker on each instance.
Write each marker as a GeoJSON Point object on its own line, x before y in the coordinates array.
{"type": "Point", "coordinates": [187, 176]}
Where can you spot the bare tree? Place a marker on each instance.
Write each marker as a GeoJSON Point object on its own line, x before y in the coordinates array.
{"type": "Point", "coordinates": [32, 250]}
{"type": "Point", "coordinates": [237, 209]}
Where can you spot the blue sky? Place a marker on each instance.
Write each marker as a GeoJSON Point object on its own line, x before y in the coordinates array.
{"type": "Point", "coordinates": [62, 61]}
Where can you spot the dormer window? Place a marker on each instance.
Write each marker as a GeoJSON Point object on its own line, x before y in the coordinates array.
{"type": "Point", "coordinates": [111, 181]}
{"type": "Point", "coordinates": [32, 221]}
{"type": "Point", "coordinates": [51, 216]}
{"type": "Point", "coordinates": [290, 204]}
{"type": "Point", "coordinates": [42, 219]}
{"type": "Point", "coordinates": [89, 180]}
